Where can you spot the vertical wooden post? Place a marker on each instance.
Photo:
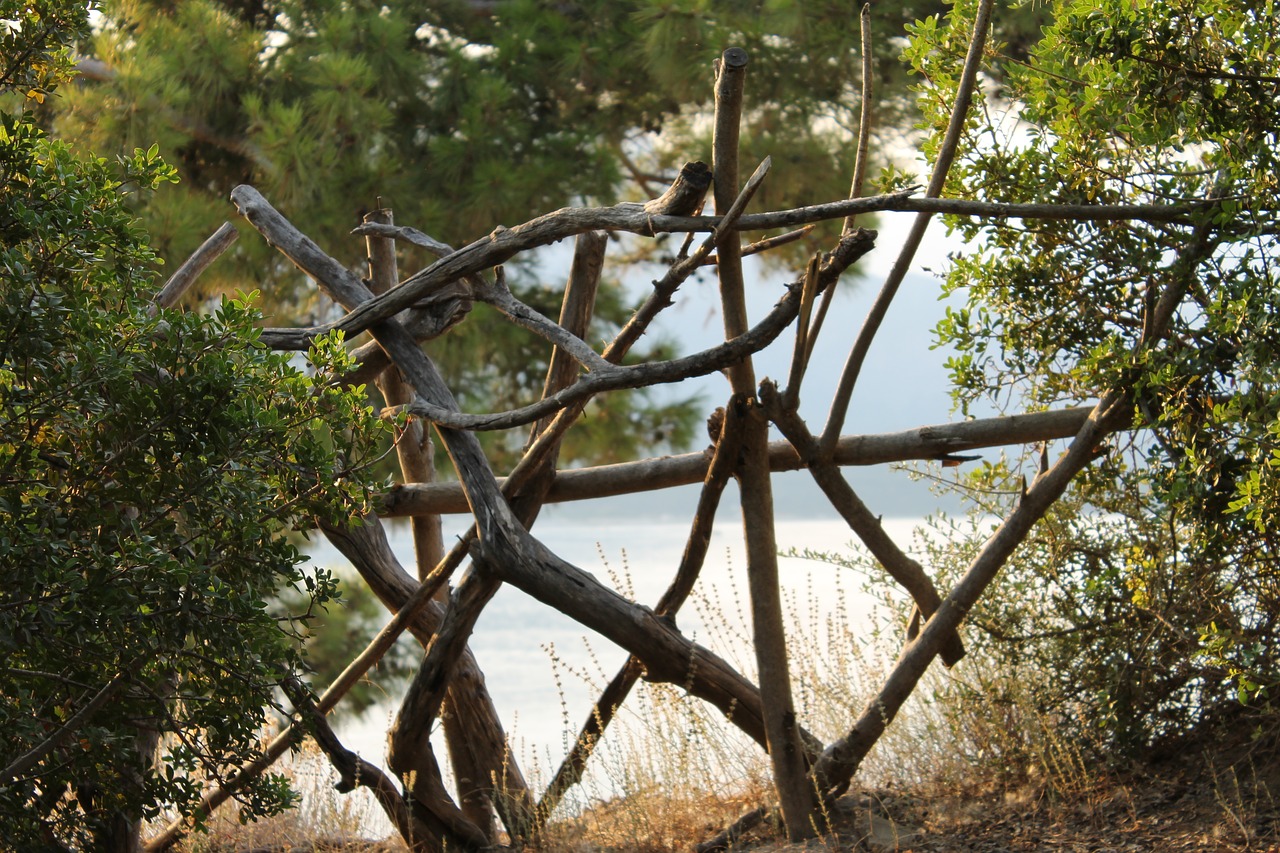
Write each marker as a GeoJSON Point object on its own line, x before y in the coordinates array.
{"type": "Point", "coordinates": [796, 794]}
{"type": "Point", "coordinates": [414, 448]}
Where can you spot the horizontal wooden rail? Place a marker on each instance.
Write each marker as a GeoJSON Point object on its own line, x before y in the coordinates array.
{"type": "Point", "coordinates": [663, 472]}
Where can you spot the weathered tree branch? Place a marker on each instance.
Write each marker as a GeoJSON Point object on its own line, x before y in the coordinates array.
{"type": "Point", "coordinates": [185, 276]}
{"type": "Point", "coordinates": [685, 195]}
{"type": "Point", "coordinates": [617, 377]}
{"type": "Point", "coordinates": [786, 752]}
{"type": "Point", "coordinates": [941, 167]}
{"type": "Point", "coordinates": [841, 759]}
{"type": "Point", "coordinates": [500, 296]}
{"type": "Point", "coordinates": [446, 651]}
{"type": "Point", "coordinates": [473, 733]}
{"type": "Point", "coordinates": [1114, 410]}
{"type": "Point", "coordinates": [366, 546]}
{"type": "Point", "coordinates": [505, 550]}
{"type": "Point", "coordinates": [353, 771]}
{"type": "Point", "coordinates": [906, 571]}
{"type": "Point", "coordinates": [723, 461]}
{"type": "Point", "coordinates": [662, 472]}
{"type": "Point", "coordinates": [505, 243]}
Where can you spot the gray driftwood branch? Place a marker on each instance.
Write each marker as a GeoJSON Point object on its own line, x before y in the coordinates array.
{"type": "Point", "coordinates": [663, 472]}
{"type": "Point", "coordinates": [504, 549]}
{"type": "Point", "coordinates": [505, 243]}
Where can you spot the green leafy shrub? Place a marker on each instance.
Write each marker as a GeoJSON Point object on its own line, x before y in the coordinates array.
{"type": "Point", "coordinates": [150, 464]}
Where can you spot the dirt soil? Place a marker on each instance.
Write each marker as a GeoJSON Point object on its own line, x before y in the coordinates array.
{"type": "Point", "coordinates": [1191, 798]}
{"type": "Point", "coordinates": [1219, 794]}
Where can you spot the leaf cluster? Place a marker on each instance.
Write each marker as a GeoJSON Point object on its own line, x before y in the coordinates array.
{"type": "Point", "coordinates": [1172, 597]}
{"type": "Point", "coordinates": [36, 42]}
{"type": "Point", "coordinates": [150, 465]}
{"type": "Point", "coordinates": [1117, 618]}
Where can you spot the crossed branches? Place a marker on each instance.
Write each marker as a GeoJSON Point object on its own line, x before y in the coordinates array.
{"type": "Point", "coordinates": [503, 550]}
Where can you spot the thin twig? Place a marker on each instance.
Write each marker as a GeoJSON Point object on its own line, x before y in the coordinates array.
{"type": "Point", "coordinates": [946, 155]}
{"type": "Point", "coordinates": [864, 114]}
{"type": "Point", "coordinates": [32, 757]}
{"type": "Point", "coordinates": [761, 246]}
{"type": "Point", "coordinates": [856, 186]}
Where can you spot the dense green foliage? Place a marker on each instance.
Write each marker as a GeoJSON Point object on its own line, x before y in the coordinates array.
{"type": "Point", "coordinates": [1152, 597]}
{"type": "Point", "coordinates": [150, 465]}
{"type": "Point", "coordinates": [462, 116]}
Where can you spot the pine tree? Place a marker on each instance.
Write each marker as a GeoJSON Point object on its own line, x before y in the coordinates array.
{"type": "Point", "coordinates": [466, 115]}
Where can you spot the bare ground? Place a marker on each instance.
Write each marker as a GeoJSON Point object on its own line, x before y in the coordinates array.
{"type": "Point", "coordinates": [1219, 793]}
{"type": "Point", "coordinates": [1193, 797]}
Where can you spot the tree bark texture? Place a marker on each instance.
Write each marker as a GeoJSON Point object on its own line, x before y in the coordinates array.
{"type": "Point", "coordinates": [786, 752]}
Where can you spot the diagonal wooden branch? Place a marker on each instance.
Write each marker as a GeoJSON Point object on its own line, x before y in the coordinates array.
{"type": "Point", "coordinates": [292, 735]}
{"type": "Point", "coordinates": [185, 276]}
{"type": "Point", "coordinates": [841, 759]}
{"type": "Point", "coordinates": [429, 318]}
{"type": "Point", "coordinates": [723, 461]}
{"type": "Point", "coordinates": [505, 243]}
{"type": "Point", "coordinates": [473, 733]}
{"type": "Point", "coordinates": [420, 599]}
{"type": "Point", "coordinates": [423, 698]}
{"type": "Point", "coordinates": [946, 155]}
{"type": "Point", "coordinates": [867, 98]}
{"type": "Point", "coordinates": [366, 546]}
{"type": "Point", "coordinates": [353, 771]}
{"type": "Point", "coordinates": [475, 587]}
{"type": "Point", "coordinates": [805, 337]}
{"type": "Point", "coordinates": [616, 377]}
{"type": "Point", "coordinates": [856, 187]}
{"type": "Point", "coordinates": [573, 399]}
{"type": "Point", "coordinates": [1114, 411]}
{"type": "Point", "coordinates": [849, 249]}
{"type": "Point", "coordinates": [416, 237]}
{"type": "Point", "coordinates": [499, 296]}
{"type": "Point", "coordinates": [504, 549]}
{"type": "Point", "coordinates": [906, 571]}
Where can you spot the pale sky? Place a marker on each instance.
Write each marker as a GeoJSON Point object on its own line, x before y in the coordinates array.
{"type": "Point", "coordinates": [903, 384]}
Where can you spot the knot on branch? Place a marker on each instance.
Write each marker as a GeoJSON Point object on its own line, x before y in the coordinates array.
{"type": "Point", "coordinates": [851, 247]}
{"type": "Point", "coordinates": [685, 196]}
{"type": "Point", "coordinates": [715, 424]}
{"type": "Point", "coordinates": [440, 310]}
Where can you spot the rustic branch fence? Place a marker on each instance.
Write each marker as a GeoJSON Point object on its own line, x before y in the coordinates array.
{"type": "Point", "coordinates": [400, 315]}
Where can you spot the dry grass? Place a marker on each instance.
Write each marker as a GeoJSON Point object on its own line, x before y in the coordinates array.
{"type": "Point", "coordinates": [323, 819]}
{"type": "Point", "coordinates": [968, 754]}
